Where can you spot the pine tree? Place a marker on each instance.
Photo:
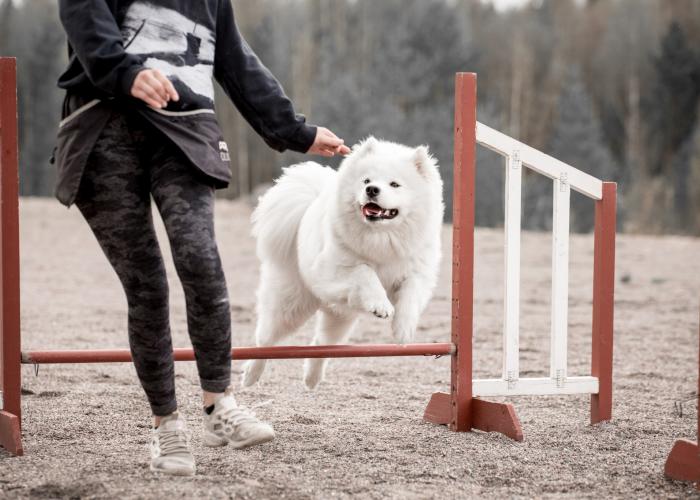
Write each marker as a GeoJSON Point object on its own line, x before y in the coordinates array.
{"type": "Point", "coordinates": [41, 98]}
{"type": "Point", "coordinates": [671, 107]}
{"type": "Point", "coordinates": [577, 140]}
{"type": "Point", "coordinates": [694, 183]}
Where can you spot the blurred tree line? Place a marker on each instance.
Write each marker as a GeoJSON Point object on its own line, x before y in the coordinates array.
{"type": "Point", "coordinates": [609, 86]}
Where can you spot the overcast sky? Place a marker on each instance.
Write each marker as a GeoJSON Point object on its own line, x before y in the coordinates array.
{"type": "Point", "coordinates": [506, 4]}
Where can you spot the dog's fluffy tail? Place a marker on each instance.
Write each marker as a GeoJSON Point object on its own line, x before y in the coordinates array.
{"type": "Point", "coordinates": [279, 212]}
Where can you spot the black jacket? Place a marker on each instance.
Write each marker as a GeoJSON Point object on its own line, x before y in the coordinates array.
{"type": "Point", "coordinates": [191, 42]}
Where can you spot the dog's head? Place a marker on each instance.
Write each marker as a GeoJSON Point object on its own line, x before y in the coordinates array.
{"type": "Point", "coordinates": [384, 184]}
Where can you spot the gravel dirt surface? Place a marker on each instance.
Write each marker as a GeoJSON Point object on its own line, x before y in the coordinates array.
{"type": "Point", "coordinates": [360, 434]}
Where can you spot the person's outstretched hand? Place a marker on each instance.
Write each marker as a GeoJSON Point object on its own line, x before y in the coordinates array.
{"type": "Point", "coordinates": [153, 88]}
{"type": "Point", "coordinates": [327, 144]}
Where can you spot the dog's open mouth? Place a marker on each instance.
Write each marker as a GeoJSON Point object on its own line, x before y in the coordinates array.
{"type": "Point", "coordinates": [374, 212]}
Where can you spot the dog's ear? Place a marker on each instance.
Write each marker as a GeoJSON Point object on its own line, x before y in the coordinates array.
{"type": "Point", "coordinates": [422, 160]}
{"type": "Point", "coordinates": [366, 146]}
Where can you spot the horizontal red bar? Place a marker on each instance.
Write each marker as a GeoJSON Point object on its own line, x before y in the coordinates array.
{"type": "Point", "coordinates": [276, 352]}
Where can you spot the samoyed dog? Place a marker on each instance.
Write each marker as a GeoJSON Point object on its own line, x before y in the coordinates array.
{"type": "Point", "coordinates": [362, 239]}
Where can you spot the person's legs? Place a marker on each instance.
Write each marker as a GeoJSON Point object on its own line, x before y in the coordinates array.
{"type": "Point", "coordinates": [114, 199]}
{"type": "Point", "coordinates": [185, 199]}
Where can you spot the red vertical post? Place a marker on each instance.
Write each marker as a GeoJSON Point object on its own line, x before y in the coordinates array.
{"type": "Point", "coordinates": [463, 250]}
{"type": "Point", "coordinates": [603, 302]}
{"type": "Point", "coordinates": [10, 414]}
{"type": "Point", "coordinates": [683, 462]}
{"type": "Point", "coordinates": [459, 409]}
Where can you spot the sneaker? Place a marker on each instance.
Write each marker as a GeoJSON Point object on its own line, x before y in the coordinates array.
{"type": "Point", "coordinates": [170, 447]}
{"type": "Point", "coordinates": [231, 424]}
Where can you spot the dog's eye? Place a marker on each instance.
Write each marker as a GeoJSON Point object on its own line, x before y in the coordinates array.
{"type": "Point", "coordinates": [366, 181]}
{"type": "Point", "coordinates": [395, 184]}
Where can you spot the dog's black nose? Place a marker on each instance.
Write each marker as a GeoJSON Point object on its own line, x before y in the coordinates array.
{"type": "Point", "coordinates": [372, 191]}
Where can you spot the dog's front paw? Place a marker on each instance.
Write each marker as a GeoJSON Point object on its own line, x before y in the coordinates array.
{"type": "Point", "coordinates": [404, 330]}
{"type": "Point", "coordinates": [380, 308]}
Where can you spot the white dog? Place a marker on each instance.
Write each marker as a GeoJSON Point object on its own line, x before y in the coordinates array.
{"type": "Point", "coordinates": [363, 239]}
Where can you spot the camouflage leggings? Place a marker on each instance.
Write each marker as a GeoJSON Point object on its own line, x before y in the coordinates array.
{"type": "Point", "coordinates": [130, 162]}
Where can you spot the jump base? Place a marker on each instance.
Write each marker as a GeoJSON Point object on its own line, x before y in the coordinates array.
{"type": "Point", "coordinates": [10, 435]}
{"type": "Point", "coordinates": [486, 416]}
{"type": "Point", "coordinates": [683, 463]}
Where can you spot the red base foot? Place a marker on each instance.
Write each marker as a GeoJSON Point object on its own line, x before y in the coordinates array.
{"type": "Point", "coordinates": [438, 410]}
{"type": "Point", "coordinates": [486, 415]}
{"type": "Point", "coordinates": [683, 463]}
{"type": "Point", "coordinates": [10, 435]}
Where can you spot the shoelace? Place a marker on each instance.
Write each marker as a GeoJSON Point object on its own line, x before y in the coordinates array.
{"type": "Point", "coordinates": [238, 415]}
{"type": "Point", "coordinates": [172, 442]}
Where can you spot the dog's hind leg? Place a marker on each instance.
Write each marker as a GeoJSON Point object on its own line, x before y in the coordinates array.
{"type": "Point", "coordinates": [284, 305]}
{"type": "Point", "coordinates": [331, 328]}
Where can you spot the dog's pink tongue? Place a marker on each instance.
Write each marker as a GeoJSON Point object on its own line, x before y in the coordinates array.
{"type": "Point", "coordinates": [371, 210]}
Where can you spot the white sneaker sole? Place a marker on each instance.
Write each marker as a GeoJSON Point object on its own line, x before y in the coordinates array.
{"type": "Point", "coordinates": [175, 471]}
{"type": "Point", "coordinates": [212, 440]}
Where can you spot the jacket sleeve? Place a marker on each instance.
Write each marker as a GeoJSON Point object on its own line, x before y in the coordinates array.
{"type": "Point", "coordinates": [255, 91]}
{"type": "Point", "coordinates": [96, 40]}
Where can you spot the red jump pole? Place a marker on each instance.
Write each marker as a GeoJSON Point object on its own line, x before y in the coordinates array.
{"type": "Point", "coordinates": [683, 463]}
{"type": "Point", "coordinates": [603, 302]}
{"type": "Point", "coordinates": [10, 374]}
{"type": "Point", "coordinates": [275, 352]}
{"type": "Point", "coordinates": [459, 409]}
{"type": "Point", "coordinates": [463, 251]}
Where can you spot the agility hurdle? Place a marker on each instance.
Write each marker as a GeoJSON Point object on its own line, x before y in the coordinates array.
{"type": "Point", "coordinates": [683, 462]}
{"type": "Point", "coordinates": [462, 408]}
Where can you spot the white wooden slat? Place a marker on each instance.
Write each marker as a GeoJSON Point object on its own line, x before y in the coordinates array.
{"type": "Point", "coordinates": [534, 387]}
{"type": "Point", "coordinates": [539, 162]}
{"type": "Point", "coordinates": [560, 279]}
{"type": "Point", "coordinates": [511, 306]}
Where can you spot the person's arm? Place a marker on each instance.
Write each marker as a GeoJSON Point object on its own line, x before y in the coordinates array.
{"type": "Point", "coordinates": [96, 41]}
{"type": "Point", "coordinates": [94, 35]}
{"type": "Point", "coordinates": [255, 91]}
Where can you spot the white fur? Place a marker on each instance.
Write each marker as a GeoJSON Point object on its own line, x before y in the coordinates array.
{"type": "Point", "coordinates": [320, 254]}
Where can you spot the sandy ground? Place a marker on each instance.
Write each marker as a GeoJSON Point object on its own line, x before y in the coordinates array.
{"type": "Point", "coordinates": [360, 434]}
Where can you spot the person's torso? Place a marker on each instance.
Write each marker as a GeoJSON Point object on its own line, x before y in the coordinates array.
{"type": "Point", "coordinates": [176, 37]}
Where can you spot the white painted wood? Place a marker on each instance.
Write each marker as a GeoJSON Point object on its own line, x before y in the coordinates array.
{"type": "Point", "coordinates": [534, 387]}
{"type": "Point", "coordinates": [565, 178]}
{"type": "Point", "coordinates": [511, 306]}
{"type": "Point", "coordinates": [539, 162]}
{"type": "Point", "coordinates": [560, 279]}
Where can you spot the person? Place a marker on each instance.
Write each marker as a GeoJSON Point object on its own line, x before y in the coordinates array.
{"type": "Point", "coordinates": [138, 122]}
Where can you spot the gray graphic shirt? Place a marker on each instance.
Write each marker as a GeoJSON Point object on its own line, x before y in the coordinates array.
{"type": "Point", "coordinates": [180, 47]}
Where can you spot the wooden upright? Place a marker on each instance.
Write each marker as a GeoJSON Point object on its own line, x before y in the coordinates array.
{"type": "Point", "coordinates": [459, 409]}
{"type": "Point", "coordinates": [10, 411]}
{"type": "Point", "coordinates": [603, 302]}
